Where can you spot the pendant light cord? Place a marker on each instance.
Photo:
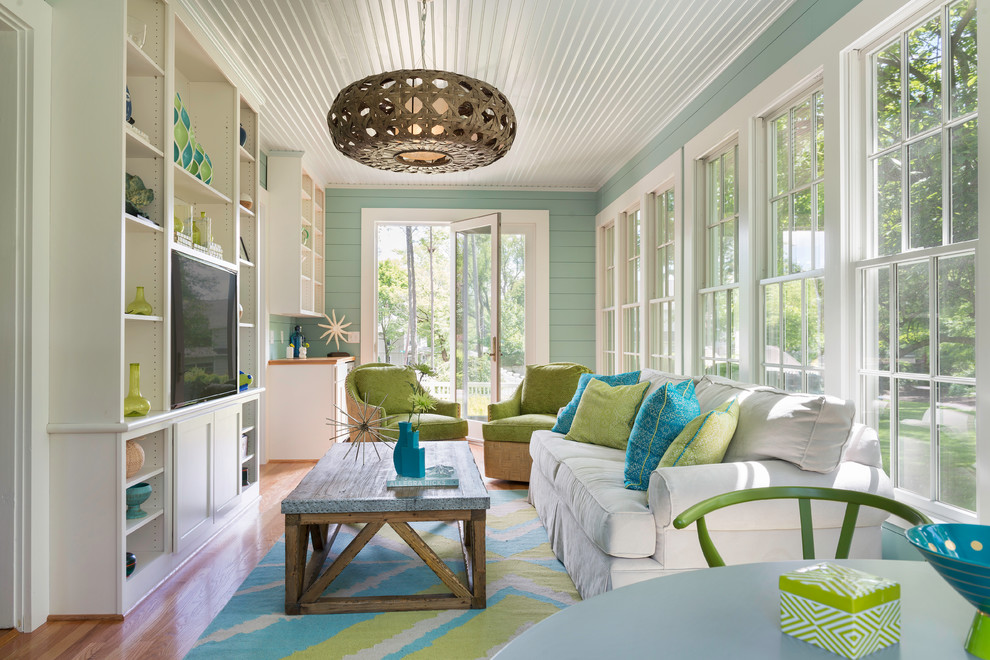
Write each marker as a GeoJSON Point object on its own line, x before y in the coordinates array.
{"type": "Point", "coordinates": [422, 32]}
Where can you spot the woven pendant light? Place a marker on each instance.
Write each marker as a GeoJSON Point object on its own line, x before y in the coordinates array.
{"type": "Point", "coordinates": [422, 120]}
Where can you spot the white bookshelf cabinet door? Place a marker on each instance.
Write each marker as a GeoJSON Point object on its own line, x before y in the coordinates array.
{"type": "Point", "coordinates": [227, 450]}
{"type": "Point", "coordinates": [193, 506]}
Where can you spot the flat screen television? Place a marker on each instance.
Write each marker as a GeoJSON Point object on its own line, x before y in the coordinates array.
{"type": "Point", "coordinates": [204, 330]}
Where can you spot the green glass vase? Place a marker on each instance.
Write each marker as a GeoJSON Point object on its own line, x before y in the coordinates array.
{"type": "Point", "coordinates": [139, 305]}
{"type": "Point", "coordinates": [135, 405]}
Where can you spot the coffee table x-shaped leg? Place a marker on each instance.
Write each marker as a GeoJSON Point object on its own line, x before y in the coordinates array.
{"type": "Point", "coordinates": [305, 583]}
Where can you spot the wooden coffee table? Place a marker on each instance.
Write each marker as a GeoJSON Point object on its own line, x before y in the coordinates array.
{"type": "Point", "coordinates": [343, 491]}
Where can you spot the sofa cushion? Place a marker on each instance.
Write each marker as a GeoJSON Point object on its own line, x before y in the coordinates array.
{"type": "Point", "coordinates": [617, 520]}
{"type": "Point", "coordinates": [808, 430]}
{"type": "Point", "coordinates": [549, 450]}
{"type": "Point", "coordinates": [660, 419]}
{"type": "Point", "coordinates": [548, 387]}
{"type": "Point", "coordinates": [516, 429]}
{"type": "Point", "coordinates": [566, 415]}
{"type": "Point", "coordinates": [658, 379]}
{"type": "Point", "coordinates": [705, 438]}
{"type": "Point", "coordinates": [606, 414]}
{"type": "Point", "coordinates": [431, 427]}
{"type": "Point", "coordinates": [393, 384]}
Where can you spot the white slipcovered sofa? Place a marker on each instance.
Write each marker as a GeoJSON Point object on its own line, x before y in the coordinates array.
{"type": "Point", "coordinates": [608, 537]}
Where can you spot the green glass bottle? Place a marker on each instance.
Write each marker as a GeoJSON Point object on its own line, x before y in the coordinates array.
{"type": "Point", "coordinates": [136, 405]}
{"type": "Point", "coordinates": [139, 305]}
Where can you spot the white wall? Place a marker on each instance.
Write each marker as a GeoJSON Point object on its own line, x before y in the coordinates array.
{"type": "Point", "coordinates": [25, 109]}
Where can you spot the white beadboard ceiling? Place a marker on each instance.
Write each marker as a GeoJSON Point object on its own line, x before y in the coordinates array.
{"type": "Point", "coordinates": [591, 81]}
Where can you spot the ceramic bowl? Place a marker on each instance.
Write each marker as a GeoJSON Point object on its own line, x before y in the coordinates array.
{"type": "Point", "coordinates": [131, 562]}
{"type": "Point", "coordinates": [961, 555]}
{"type": "Point", "coordinates": [136, 495]}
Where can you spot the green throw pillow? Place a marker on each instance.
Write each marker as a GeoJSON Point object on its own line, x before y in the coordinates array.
{"type": "Point", "coordinates": [393, 383]}
{"type": "Point", "coordinates": [606, 414]}
{"type": "Point", "coordinates": [549, 387]}
{"type": "Point", "coordinates": [705, 438]}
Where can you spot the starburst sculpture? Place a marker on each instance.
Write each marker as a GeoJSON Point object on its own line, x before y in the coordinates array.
{"type": "Point", "coordinates": [336, 328]}
{"type": "Point", "coordinates": [362, 428]}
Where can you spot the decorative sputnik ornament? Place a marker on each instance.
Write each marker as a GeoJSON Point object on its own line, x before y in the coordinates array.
{"type": "Point", "coordinates": [363, 427]}
{"type": "Point", "coordinates": [336, 328]}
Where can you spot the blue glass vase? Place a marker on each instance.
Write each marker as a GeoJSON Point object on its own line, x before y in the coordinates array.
{"type": "Point", "coordinates": [409, 458]}
{"type": "Point", "coordinates": [297, 339]}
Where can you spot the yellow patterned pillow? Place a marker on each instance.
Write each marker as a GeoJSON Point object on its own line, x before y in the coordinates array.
{"type": "Point", "coordinates": [705, 438]}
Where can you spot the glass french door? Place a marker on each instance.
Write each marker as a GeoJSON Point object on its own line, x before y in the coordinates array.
{"type": "Point", "coordinates": [475, 316]}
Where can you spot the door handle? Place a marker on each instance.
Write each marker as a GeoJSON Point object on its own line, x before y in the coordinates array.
{"type": "Point", "coordinates": [494, 348]}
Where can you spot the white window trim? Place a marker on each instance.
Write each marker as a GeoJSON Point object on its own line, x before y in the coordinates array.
{"type": "Point", "coordinates": [600, 265]}
{"type": "Point", "coordinates": [761, 204]}
{"type": "Point", "coordinates": [855, 110]}
{"type": "Point", "coordinates": [668, 173]}
{"type": "Point", "coordinates": [650, 270]}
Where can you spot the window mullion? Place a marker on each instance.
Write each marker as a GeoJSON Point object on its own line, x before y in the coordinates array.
{"type": "Point", "coordinates": [893, 382]}
{"type": "Point", "coordinates": [933, 371]}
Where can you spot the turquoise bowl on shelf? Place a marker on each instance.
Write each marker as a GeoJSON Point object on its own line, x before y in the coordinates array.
{"type": "Point", "coordinates": [961, 555]}
{"type": "Point", "coordinates": [135, 496]}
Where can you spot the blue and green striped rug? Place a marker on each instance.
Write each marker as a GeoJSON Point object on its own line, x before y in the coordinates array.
{"type": "Point", "coordinates": [526, 584]}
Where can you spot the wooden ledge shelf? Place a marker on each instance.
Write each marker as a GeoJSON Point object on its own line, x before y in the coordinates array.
{"type": "Point", "coordinates": [245, 210]}
{"type": "Point", "coordinates": [143, 475]}
{"type": "Point", "coordinates": [245, 155]}
{"type": "Point", "coordinates": [190, 189]}
{"type": "Point", "coordinates": [141, 224]}
{"type": "Point", "coordinates": [139, 63]}
{"type": "Point", "coordinates": [204, 256]}
{"type": "Point", "coordinates": [139, 147]}
{"type": "Point", "coordinates": [137, 523]}
{"type": "Point", "coordinates": [144, 317]}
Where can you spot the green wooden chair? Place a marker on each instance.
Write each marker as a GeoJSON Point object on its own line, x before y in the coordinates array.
{"type": "Point", "coordinates": [803, 494]}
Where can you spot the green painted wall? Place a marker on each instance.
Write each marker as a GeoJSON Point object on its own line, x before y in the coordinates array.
{"type": "Point", "coordinates": [801, 24]}
{"type": "Point", "coordinates": [572, 257]}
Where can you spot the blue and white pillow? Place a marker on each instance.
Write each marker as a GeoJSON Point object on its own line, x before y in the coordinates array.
{"type": "Point", "coordinates": [566, 415]}
{"type": "Point", "coordinates": [661, 417]}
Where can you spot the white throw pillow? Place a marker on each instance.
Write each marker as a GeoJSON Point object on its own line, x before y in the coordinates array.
{"type": "Point", "coordinates": [807, 430]}
{"type": "Point", "coordinates": [658, 378]}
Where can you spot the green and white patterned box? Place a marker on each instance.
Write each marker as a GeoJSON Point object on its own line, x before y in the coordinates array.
{"type": "Point", "coordinates": [840, 609]}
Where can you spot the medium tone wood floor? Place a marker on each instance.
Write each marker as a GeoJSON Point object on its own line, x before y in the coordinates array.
{"type": "Point", "coordinates": [168, 622]}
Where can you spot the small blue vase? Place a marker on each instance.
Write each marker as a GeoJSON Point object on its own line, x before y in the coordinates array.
{"type": "Point", "coordinates": [409, 458]}
{"type": "Point", "coordinates": [127, 106]}
{"type": "Point", "coordinates": [243, 135]}
{"type": "Point", "coordinates": [297, 339]}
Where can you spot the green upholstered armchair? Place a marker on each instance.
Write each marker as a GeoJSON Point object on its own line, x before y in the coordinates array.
{"type": "Point", "coordinates": [545, 389]}
{"type": "Point", "coordinates": [386, 389]}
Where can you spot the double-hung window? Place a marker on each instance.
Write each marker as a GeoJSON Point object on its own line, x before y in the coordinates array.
{"type": "Point", "coordinates": [631, 300]}
{"type": "Point", "coordinates": [719, 298]}
{"type": "Point", "coordinates": [917, 277]}
{"type": "Point", "coordinates": [607, 246]}
{"type": "Point", "coordinates": [662, 328]}
{"type": "Point", "coordinates": [793, 292]}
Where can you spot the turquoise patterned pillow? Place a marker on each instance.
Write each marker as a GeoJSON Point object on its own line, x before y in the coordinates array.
{"type": "Point", "coordinates": [566, 415]}
{"type": "Point", "coordinates": [661, 418]}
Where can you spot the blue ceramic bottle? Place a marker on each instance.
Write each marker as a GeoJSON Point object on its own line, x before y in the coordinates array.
{"type": "Point", "coordinates": [297, 340]}
{"type": "Point", "coordinates": [409, 458]}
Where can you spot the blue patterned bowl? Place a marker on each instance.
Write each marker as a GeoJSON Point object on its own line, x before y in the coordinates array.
{"type": "Point", "coordinates": [961, 555]}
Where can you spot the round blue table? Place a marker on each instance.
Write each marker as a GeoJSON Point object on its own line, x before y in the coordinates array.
{"type": "Point", "coordinates": [734, 612]}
